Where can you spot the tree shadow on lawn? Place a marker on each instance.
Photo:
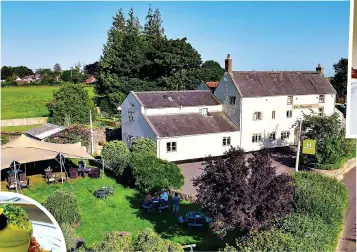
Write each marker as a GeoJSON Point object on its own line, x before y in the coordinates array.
{"type": "Point", "coordinates": [168, 227]}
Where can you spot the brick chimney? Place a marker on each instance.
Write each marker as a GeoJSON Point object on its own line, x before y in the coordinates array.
{"type": "Point", "coordinates": [320, 69]}
{"type": "Point", "coordinates": [228, 63]}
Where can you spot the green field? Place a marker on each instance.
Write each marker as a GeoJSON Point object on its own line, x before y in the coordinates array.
{"type": "Point", "coordinates": [27, 102]}
{"type": "Point", "coordinates": [22, 128]}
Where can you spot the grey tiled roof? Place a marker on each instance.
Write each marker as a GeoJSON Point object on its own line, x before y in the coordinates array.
{"type": "Point", "coordinates": [260, 83]}
{"type": "Point", "coordinates": [187, 98]}
{"type": "Point", "coordinates": [191, 124]}
{"type": "Point", "coordinates": [45, 130]}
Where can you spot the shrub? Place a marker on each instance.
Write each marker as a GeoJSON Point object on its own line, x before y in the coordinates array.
{"type": "Point", "coordinates": [116, 156]}
{"type": "Point", "coordinates": [71, 103]}
{"type": "Point", "coordinates": [114, 241]}
{"type": "Point", "coordinates": [267, 241]}
{"type": "Point", "coordinates": [64, 207]}
{"type": "Point", "coordinates": [148, 240]}
{"type": "Point", "coordinates": [70, 236]}
{"type": "Point", "coordinates": [319, 195]}
{"type": "Point", "coordinates": [144, 145]}
{"type": "Point", "coordinates": [331, 144]}
{"type": "Point", "coordinates": [153, 174]}
{"type": "Point", "coordinates": [243, 195]}
{"type": "Point", "coordinates": [309, 232]}
{"type": "Point", "coordinates": [73, 134]}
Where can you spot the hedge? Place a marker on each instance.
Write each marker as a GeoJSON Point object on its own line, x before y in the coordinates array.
{"type": "Point", "coordinates": [337, 165]}
{"type": "Point", "coordinates": [320, 203]}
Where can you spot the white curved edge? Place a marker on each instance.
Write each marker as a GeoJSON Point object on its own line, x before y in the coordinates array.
{"type": "Point", "coordinates": [349, 77]}
{"type": "Point", "coordinates": [49, 215]}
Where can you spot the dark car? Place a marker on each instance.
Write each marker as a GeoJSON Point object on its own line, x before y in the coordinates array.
{"type": "Point", "coordinates": [342, 108]}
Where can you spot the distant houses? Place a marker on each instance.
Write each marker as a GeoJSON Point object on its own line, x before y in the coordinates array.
{"type": "Point", "coordinates": [29, 78]}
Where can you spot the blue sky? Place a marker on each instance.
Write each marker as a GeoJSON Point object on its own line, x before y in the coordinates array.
{"type": "Point", "coordinates": [258, 35]}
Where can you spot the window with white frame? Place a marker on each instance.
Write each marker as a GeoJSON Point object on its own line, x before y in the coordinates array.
{"type": "Point", "coordinates": [256, 138]}
{"type": "Point", "coordinates": [321, 98]}
{"type": "Point", "coordinates": [272, 136]}
{"type": "Point", "coordinates": [204, 111]}
{"type": "Point", "coordinates": [232, 100]}
{"type": "Point", "coordinates": [226, 141]}
{"type": "Point", "coordinates": [171, 146]}
{"type": "Point", "coordinates": [257, 116]}
{"type": "Point", "coordinates": [131, 116]}
{"type": "Point", "coordinates": [285, 134]}
{"type": "Point", "coordinates": [289, 114]}
{"type": "Point", "coordinates": [290, 100]}
{"type": "Point", "coordinates": [273, 115]}
{"type": "Point", "coordinates": [321, 111]}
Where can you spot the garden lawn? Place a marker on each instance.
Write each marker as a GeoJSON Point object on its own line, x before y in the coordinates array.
{"type": "Point", "coordinates": [121, 212]}
{"type": "Point", "coordinates": [22, 128]}
{"type": "Point", "coordinates": [28, 102]}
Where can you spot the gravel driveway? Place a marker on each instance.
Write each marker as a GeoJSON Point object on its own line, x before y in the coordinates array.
{"type": "Point", "coordinates": [283, 159]}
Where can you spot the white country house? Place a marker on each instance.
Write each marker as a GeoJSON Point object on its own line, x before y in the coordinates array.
{"type": "Point", "coordinates": [249, 109]}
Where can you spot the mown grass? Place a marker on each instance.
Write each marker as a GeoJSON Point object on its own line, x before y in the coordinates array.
{"type": "Point", "coordinates": [22, 128]}
{"type": "Point", "coordinates": [28, 102]}
{"type": "Point", "coordinates": [121, 212]}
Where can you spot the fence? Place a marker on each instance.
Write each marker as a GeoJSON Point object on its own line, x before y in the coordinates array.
{"type": "Point", "coordinates": [24, 121]}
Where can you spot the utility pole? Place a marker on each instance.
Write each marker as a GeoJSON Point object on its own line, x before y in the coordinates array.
{"type": "Point", "coordinates": [91, 133]}
{"type": "Point", "coordinates": [298, 148]}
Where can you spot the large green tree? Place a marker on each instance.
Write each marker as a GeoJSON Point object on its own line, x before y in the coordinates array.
{"type": "Point", "coordinates": [339, 80]}
{"type": "Point", "coordinates": [211, 71]}
{"type": "Point", "coordinates": [19, 71]}
{"type": "Point", "coordinates": [71, 103]}
{"type": "Point", "coordinates": [143, 58]}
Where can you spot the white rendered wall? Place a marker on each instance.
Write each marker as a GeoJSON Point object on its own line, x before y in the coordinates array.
{"type": "Point", "coordinates": [196, 146]}
{"type": "Point", "coordinates": [137, 128]}
{"type": "Point", "coordinates": [225, 89]}
{"type": "Point", "coordinates": [281, 123]}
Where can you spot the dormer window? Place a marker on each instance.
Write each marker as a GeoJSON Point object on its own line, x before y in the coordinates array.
{"type": "Point", "coordinates": [290, 100]}
{"type": "Point", "coordinates": [169, 98]}
{"type": "Point", "coordinates": [204, 111]}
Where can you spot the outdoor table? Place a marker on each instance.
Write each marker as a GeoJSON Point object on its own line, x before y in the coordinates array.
{"type": "Point", "coordinates": [194, 219]}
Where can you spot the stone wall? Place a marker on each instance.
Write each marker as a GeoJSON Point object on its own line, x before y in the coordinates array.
{"type": "Point", "coordinates": [99, 139]}
{"type": "Point", "coordinates": [23, 121]}
{"type": "Point", "coordinates": [338, 173]}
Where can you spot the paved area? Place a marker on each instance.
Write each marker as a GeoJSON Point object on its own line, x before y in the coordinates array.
{"type": "Point", "coordinates": [348, 239]}
{"type": "Point", "coordinates": [282, 159]}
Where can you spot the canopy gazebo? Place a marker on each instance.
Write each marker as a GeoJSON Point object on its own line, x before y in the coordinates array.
{"type": "Point", "coordinates": [27, 150]}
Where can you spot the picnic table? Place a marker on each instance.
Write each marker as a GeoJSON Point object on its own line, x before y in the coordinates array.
{"type": "Point", "coordinates": [194, 219]}
{"type": "Point", "coordinates": [103, 192]}
{"type": "Point", "coordinates": [156, 204]}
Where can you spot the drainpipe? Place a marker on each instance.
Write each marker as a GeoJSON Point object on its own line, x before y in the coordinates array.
{"type": "Point", "coordinates": [158, 147]}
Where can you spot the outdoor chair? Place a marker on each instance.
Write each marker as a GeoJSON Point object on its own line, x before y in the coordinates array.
{"type": "Point", "coordinates": [100, 194]}
{"type": "Point", "coordinates": [23, 177]}
{"type": "Point", "coordinates": [94, 173]}
{"type": "Point", "coordinates": [73, 173]}
{"type": "Point", "coordinates": [11, 182]}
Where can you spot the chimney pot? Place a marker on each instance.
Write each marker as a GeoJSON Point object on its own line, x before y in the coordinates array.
{"type": "Point", "coordinates": [228, 64]}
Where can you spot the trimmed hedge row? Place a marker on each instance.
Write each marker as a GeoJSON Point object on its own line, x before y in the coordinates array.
{"type": "Point", "coordinates": [320, 205]}
{"type": "Point", "coordinates": [337, 165]}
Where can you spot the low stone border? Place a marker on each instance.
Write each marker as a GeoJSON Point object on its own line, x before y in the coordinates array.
{"type": "Point", "coordinates": [338, 173]}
